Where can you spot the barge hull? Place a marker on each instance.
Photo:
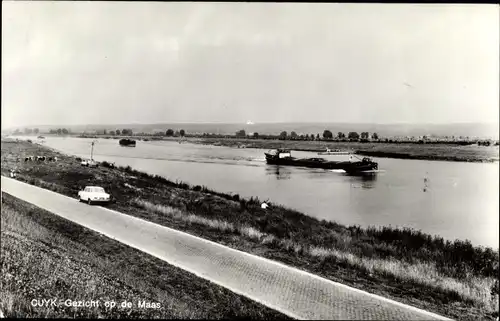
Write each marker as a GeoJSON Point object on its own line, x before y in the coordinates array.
{"type": "Point", "coordinates": [349, 167]}
{"type": "Point", "coordinates": [307, 163]}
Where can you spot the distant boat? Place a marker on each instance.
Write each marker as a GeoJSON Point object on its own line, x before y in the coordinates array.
{"type": "Point", "coordinates": [334, 152]}
{"type": "Point", "coordinates": [127, 142]}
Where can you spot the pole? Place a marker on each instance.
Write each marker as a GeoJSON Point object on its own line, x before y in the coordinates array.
{"type": "Point", "coordinates": [92, 151]}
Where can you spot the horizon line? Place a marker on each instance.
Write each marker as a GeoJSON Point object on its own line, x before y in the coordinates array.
{"type": "Point", "coordinates": [253, 123]}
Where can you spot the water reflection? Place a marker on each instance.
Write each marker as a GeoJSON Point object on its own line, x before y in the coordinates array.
{"type": "Point", "coordinates": [279, 171]}
{"type": "Point", "coordinates": [363, 180]}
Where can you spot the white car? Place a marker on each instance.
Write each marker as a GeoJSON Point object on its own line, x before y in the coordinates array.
{"type": "Point", "coordinates": [89, 163]}
{"type": "Point", "coordinates": [94, 194]}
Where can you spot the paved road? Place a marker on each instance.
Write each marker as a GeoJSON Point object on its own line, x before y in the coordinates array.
{"type": "Point", "coordinates": [293, 292]}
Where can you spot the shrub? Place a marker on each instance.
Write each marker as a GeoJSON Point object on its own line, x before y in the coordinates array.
{"type": "Point", "coordinates": [107, 164]}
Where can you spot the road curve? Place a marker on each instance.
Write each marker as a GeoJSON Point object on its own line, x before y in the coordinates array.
{"type": "Point", "coordinates": [296, 293]}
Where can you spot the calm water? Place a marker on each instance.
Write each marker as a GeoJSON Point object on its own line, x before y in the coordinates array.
{"type": "Point", "coordinates": [461, 199]}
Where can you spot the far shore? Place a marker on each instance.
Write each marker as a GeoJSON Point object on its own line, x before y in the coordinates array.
{"type": "Point", "coordinates": [442, 151]}
{"type": "Point", "coordinates": [455, 279]}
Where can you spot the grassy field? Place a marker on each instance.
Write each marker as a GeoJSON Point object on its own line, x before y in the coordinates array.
{"type": "Point", "coordinates": [455, 279]}
{"type": "Point", "coordinates": [45, 256]}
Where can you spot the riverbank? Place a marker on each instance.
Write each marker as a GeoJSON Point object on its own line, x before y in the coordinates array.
{"type": "Point", "coordinates": [455, 279]}
{"type": "Point", "coordinates": [439, 152]}
{"type": "Point", "coordinates": [45, 256]}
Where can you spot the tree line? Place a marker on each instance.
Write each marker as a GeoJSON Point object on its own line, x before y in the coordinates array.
{"type": "Point", "coordinates": [284, 135]}
{"type": "Point", "coordinates": [26, 131]}
{"type": "Point", "coordinates": [60, 131]}
{"type": "Point", "coordinates": [35, 131]}
{"type": "Point", "coordinates": [124, 132]}
{"type": "Point", "coordinates": [129, 132]}
{"type": "Point", "coordinates": [327, 135]}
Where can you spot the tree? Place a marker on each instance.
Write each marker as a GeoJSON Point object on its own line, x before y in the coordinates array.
{"type": "Point", "coordinates": [283, 135]}
{"type": "Point", "coordinates": [65, 131]}
{"type": "Point", "coordinates": [118, 132]}
{"type": "Point", "coordinates": [327, 134]}
{"type": "Point", "coordinates": [317, 136]}
{"type": "Point", "coordinates": [353, 136]}
{"type": "Point", "coordinates": [293, 135]}
{"type": "Point", "coordinates": [170, 132]}
{"type": "Point", "coordinates": [125, 131]}
{"type": "Point", "coordinates": [241, 133]}
{"type": "Point", "coordinates": [59, 131]}
{"type": "Point", "coordinates": [36, 130]}
{"type": "Point", "coordinates": [105, 132]}
{"type": "Point", "coordinates": [182, 132]}
{"type": "Point", "coordinates": [17, 131]}
{"type": "Point", "coordinates": [340, 135]}
{"type": "Point", "coordinates": [375, 136]}
{"type": "Point", "coordinates": [255, 135]}
{"type": "Point", "coordinates": [365, 135]}
{"type": "Point", "coordinates": [112, 132]}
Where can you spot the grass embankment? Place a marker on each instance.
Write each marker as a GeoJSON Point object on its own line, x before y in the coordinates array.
{"type": "Point", "coordinates": [455, 279]}
{"type": "Point", "coordinates": [45, 257]}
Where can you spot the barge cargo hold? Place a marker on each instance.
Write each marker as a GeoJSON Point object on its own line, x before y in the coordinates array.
{"type": "Point", "coordinates": [334, 152]}
{"type": "Point", "coordinates": [284, 157]}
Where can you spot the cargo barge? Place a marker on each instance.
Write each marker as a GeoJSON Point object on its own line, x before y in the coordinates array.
{"type": "Point", "coordinates": [127, 142]}
{"type": "Point", "coordinates": [284, 157]}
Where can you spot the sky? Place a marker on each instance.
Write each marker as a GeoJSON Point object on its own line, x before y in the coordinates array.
{"type": "Point", "coordinates": [74, 63]}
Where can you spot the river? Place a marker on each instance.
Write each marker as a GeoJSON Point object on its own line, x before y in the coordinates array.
{"type": "Point", "coordinates": [455, 200]}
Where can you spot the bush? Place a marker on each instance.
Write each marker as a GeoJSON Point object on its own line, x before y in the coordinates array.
{"type": "Point", "coordinates": [107, 164]}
